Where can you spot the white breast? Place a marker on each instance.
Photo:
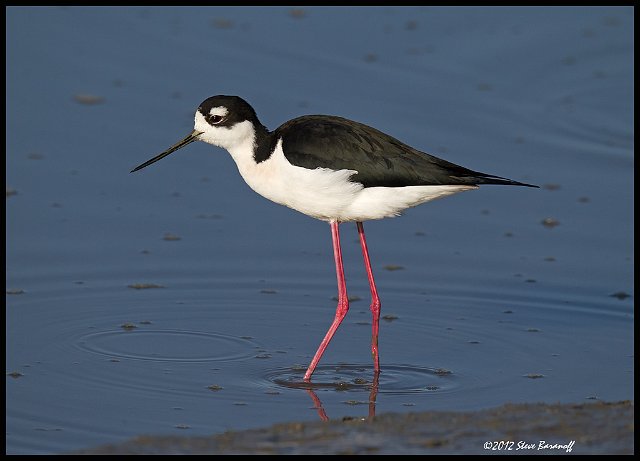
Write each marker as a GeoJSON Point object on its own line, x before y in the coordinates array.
{"type": "Point", "coordinates": [327, 194]}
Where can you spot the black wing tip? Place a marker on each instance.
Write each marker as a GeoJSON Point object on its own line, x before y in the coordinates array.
{"type": "Point", "coordinates": [517, 183]}
{"type": "Point", "coordinates": [498, 180]}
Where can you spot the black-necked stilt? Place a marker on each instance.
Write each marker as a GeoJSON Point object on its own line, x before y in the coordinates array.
{"type": "Point", "coordinates": [332, 169]}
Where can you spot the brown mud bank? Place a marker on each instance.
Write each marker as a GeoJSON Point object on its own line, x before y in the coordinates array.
{"type": "Point", "coordinates": [592, 428]}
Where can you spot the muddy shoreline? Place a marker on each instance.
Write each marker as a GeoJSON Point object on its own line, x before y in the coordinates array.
{"type": "Point", "coordinates": [592, 428]}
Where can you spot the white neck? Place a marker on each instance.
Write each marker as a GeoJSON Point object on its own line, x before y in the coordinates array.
{"type": "Point", "coordinates": [239, 140]}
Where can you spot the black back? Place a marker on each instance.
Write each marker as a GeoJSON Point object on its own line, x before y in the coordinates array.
{"type": "Point", "coordinates": [333, 142]}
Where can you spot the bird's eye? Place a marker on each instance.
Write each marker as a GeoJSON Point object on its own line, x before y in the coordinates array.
{"type": "Point", "coordinates": [214, 119]}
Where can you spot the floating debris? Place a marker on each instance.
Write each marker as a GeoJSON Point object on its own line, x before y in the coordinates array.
{"type": "Point", "coordinates": [611, 21]}
{"type": "Point", "coordinates": [393, 267]}
{"type": "Point", "coordinates": [15, 374]}
{"type": "Point", "coordinates": [620, 295]}
{"type": "Point", "coordinates": [182, 426]}
{"type": "Point", "coordinates": [356, 402]}
{"type": "Point", "coordinates": [550, 222]}
{"type": "Point", "coordinates": [222, 23]}
{"type": "Point", "coordinates": [88, 99]}
{"type": "Point", "coordinates": [389, 317]}
{"type": "Point", "coordinates": [442, 372]}
{"type": "Point", "coordinates": [128, 326]}
{"type": "Point", "coordinates": [411, 25]}
{"type": "Point", "coordinates": [215, 388]}
{"type": "Point", "coordinates": [11, 191]}
{"type": "Point", "coordinates": [170, 237]}
{"type": "Point", "coordinates": [551, 186]}
{"type": "Point", "coordinates": [144, 286]}
{"type": "Point", "coordinates": [297, 13]}
{"type": "Point", "coordinates": [268, 291]}
{"type": "Point", "coordinates": [15, 291]}
{"type": "Point", "coordinates": [533, 375]}
{"type": "Point", "coordinates": [370, 57]}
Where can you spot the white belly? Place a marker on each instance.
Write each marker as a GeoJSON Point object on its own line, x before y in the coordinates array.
{"type": "Point", "coordinates": [328, 195]}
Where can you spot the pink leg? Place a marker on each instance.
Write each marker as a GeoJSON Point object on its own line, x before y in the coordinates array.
{"type": "Point", "coordinates": [373, 394]}
{"type": "Point", "coordinates": [375, 301]}
{"type": "Point", "coordinates": [317, 404]}
{"type": "Point", "coordinates": [343, 301]}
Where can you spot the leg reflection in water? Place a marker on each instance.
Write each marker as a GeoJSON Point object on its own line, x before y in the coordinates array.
{"type": "Point", "coordinates": [373, 394]}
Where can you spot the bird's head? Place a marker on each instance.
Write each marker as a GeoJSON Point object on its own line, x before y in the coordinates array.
{"type": "Point", "coordinates": [224, 121]}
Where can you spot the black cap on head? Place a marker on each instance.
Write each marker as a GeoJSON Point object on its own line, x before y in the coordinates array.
{"type": "Point", "coordinates": [239, 109]}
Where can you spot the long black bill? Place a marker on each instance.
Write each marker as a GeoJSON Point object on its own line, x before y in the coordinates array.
{"type": "Point", "coordinates": [193, 136]}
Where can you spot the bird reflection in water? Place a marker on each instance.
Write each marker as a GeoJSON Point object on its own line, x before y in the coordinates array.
{"type": "Point", "coordinates": [317, 403]}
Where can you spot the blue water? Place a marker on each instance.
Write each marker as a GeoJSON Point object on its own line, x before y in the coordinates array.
{"type": "Point", "coordinates": [485, 291]}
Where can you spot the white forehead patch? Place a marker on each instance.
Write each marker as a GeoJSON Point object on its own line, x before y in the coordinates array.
{"type": "Point", "coordinates": [221, 110]}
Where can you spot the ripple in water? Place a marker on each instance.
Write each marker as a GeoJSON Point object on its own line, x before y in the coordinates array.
{"type": "Point", "coordinates": [393, 379]}
{"type": "Point", "coordinates": [167, 345]}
